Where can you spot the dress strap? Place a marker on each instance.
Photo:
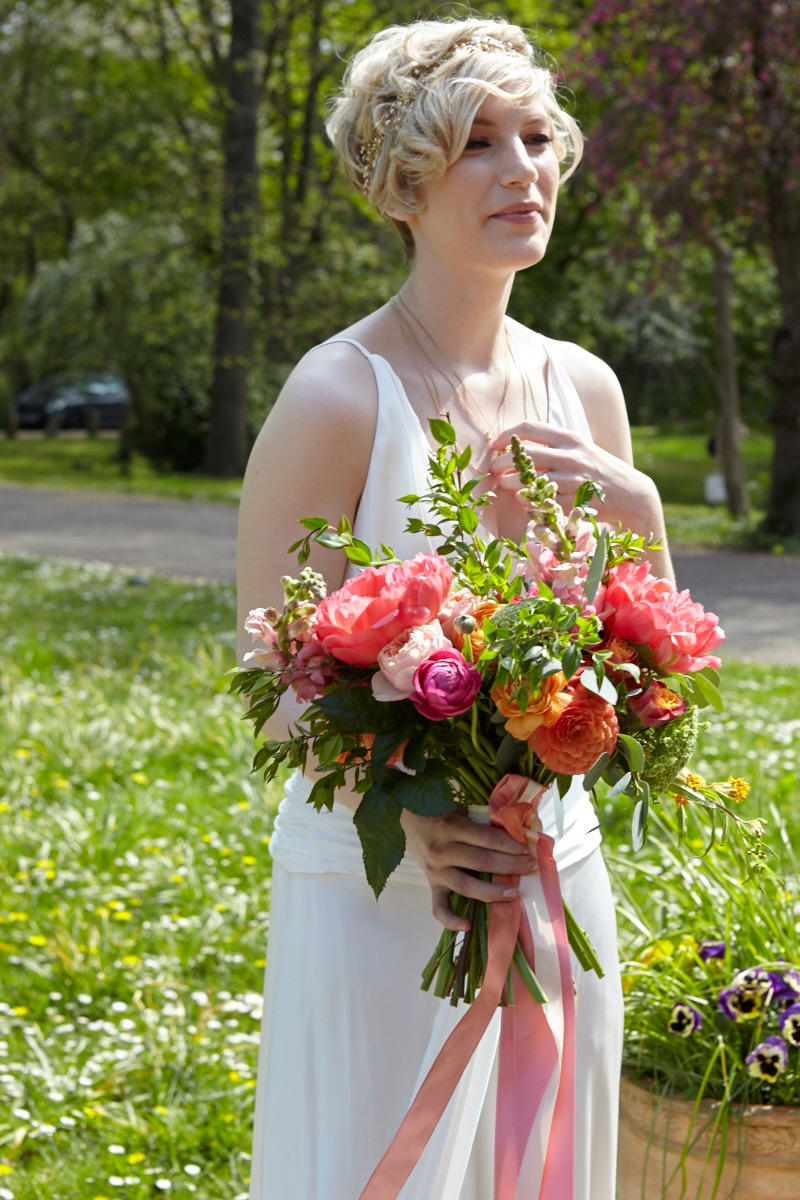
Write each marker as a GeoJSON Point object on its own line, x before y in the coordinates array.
{"type": "Point", "coordinates": [350, 342]}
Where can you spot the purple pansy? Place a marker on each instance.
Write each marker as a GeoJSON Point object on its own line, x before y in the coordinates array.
{"type": "Point", "coordinates": [748, 994]}
{"type": "Point", "coordinates": [684, 1019]}
{"type": "Point", "coordinates": [708, 950]}
{"type": "Point", "coordinates": [785, 987]}
{"type": "Point", "coordinates": [769, 1059]}
{"type": "Point", "coordinates": [789, 1022]}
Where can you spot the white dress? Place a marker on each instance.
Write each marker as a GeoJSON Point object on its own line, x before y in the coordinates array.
{"type": "Point", "coordinates": [347, 1034]}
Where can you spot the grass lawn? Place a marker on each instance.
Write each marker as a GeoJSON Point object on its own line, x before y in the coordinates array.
{"type": "Point", "coordinates": [74, 460]}
{"type": "Point", "coordinates": [678, 462]}
{"type": "Point", "coordinates": [134, 888]}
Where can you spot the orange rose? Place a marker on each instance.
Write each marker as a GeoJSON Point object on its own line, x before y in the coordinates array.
{"type": "Point", "coordinates": [542, 709]}
{"type": "Point", "coordinates": [587, 728]}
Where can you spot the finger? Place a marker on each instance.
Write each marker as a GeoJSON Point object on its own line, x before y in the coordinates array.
{"type": "Point", "coordinates": [478, 858]}
{"type": "Point", "coordinates": [444, 913]}
{"type": "Point", "coordinates": [537, 431]}
{"type": "Point", "coordinates": [490, 837]}
{"type": "Point", "coordinates": [478, 889]}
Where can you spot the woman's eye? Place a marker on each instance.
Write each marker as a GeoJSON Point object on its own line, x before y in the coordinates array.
{"type": "Point", "coordinates": [539, 139]}
{"type": "Point", "coordinates": [476, 144]}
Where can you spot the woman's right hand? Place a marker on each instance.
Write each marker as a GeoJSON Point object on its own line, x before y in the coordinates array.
{"type": "Point", "coordinates": [449, 848]}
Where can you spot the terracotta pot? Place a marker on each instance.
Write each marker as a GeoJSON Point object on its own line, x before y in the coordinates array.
{"type": "Point", "coordinates": [762, 1159]}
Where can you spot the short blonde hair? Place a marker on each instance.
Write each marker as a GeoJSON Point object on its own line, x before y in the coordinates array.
{"type": "Point", "coordinates": [409, 98]}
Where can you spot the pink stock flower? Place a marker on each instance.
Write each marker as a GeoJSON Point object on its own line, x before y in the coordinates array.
{"type": "Point", "coordinates": [445, 685]}
{"type": "Point", "coordinates": [355, 622]}
{"type": "Point", "coordinates": [399, 660]}
{"type": "Point", "coordinates": [657, 704]}
{"type": "Point", "coordinates": [310, 671]}
{"type": "Point", "coordinates": [565, 577]}
{"type": "Point", "coordinates": [674, 631]}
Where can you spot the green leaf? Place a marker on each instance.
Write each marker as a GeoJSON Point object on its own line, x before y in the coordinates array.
{"type": "Point", "coordinates": [314, 523]}
{"type": "Point", "coordinates": [468, 520]}
{"type": "Point", "coordinates": [382, 750]}
{"type": "Point", "coordinates": [355, 709]}
{"type": "Point", "coordinates": [383, 843]}
{"type": "Point", "coordinates": [597, 567]}
{"type": "Point", "coordinates": [619, 786]}
{"type": "Point", "coordinates": [604, 688]}
{"type": "Point", "coordinates": [570, 661]}
{"type": "Point", "coordinates": [443, 432]}
{"type": "Point", "coordinates": [344, 525]}
{"type": "Point", "coordinates": [321, 794]}
{"type": "Point", "coordinates": [427, 794]}
{"type": "Point", "coordinates": [414, 754]}
{"type": "Point", "coordinates": [507, 756]}
{"type": "Point", "coordinates": [331, 541]}
{"type": "Point", "coordinates": [708, 691]}
{"type": "Point", "coordinates": [411, 498]}
{"type": "Point", "coordinates": [639, 824]}
{"type": "Point", "coordinates": [359, 553]}
{"type": "Point", "coordinates": [463, 460]}
{"type": "Point", "coordinates": [632, 751]}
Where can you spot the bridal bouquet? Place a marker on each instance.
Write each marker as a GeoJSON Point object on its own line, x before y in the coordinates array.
{"type": "Point", "coordinates": [487, 672]}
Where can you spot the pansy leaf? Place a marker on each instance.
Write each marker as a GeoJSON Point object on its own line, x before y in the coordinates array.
{"type": "Point", "coordinates": [414, 755]}
{"type": "Point", "coordinates": [632, 751]}
{"type": "Point", "coordinates": [355, 708]}
{"type": "Point", "coordinates": [507, 756]}
{"type": "Point", "coordinates": [596, 567]}
{"type": "Point", "coordinates": [383, 843]}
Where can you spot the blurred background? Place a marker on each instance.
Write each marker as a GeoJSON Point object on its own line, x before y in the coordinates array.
{"type": "Point", "coordinates": [176, 234]}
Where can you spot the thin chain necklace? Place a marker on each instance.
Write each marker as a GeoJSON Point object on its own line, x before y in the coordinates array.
{"type": "Point", "coordinates": [459, 390]}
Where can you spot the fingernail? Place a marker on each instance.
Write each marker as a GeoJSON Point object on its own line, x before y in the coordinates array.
{"type": "Point", "coordinates": [510, 893]}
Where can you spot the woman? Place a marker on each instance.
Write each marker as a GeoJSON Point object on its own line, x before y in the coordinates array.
{"type": "Point", "coordinates": [454, 132]}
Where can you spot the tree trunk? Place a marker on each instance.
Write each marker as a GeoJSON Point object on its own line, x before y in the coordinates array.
{"type": "Point", "coordinates": [728, 424]}
{"type": "Point", "coordinates": [227, 436]}
{"type": "Point", "coordinates": [783, 505]}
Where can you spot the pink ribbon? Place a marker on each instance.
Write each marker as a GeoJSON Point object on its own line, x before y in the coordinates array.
{"type": "Point", "coordinates": [528, 1056]}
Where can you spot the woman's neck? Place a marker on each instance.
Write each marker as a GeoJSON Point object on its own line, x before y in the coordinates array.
{"type": "Point", "coordinates": [462, 314]}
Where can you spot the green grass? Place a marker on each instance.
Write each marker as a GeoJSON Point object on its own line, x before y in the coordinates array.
{"type": "Point", "coordinates": [134, 887]}
{"type": "Point", "coordinates": [77, 461]}
{"type": "Point", "coordinates": [134, 890]}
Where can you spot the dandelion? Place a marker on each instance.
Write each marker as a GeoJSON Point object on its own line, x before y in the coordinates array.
{"type": "Point", "coordinates": [6, 1169]}
{"type": "Point", "coordinates": [684, 1019]}
{"type": "Point", "coordinates": [769, 1059]}
{"type": "Point", "coordinates": [36, 939]}
{"type": "Point", "coordinates": [136, 1157]}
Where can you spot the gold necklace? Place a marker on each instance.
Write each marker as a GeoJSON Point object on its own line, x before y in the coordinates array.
{"type": "Point", "coordinates": [459, 390]}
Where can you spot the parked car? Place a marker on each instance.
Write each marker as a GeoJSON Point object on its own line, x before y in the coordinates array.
{"type": "Point", "coordinates": [70, 399]}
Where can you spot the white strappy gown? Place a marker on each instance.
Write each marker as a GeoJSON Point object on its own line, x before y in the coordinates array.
{"type": "Point", "coordinates": [347, 1033]}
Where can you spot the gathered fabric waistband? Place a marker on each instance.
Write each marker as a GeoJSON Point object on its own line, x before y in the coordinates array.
{"type": "Point", "coordinates": [326, 842]}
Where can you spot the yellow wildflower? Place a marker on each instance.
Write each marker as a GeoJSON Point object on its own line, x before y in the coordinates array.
{"type": "Point", "coordinates": [737, 788]}
{"type": "Point", "coordinates": [695, 781]}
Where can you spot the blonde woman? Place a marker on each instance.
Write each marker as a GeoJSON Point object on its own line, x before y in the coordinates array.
{"type": "Point", "coordinates": [453, 131]}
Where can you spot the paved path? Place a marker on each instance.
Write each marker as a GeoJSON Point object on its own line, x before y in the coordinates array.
{"type": "Point", "coordinates": [756, 596]}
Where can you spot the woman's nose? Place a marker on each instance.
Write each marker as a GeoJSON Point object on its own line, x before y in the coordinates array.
{"type": "Point", "coordinates": [517, 164]}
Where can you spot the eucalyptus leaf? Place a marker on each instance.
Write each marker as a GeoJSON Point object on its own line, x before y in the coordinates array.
{"type": "Point", "coordinates": [597, 567]}
{"type": "Point", "coordinates": [595, 771]}
{"type": "Point", "coordinates": [632, 751]}
{"type": "Point", "coordinates": [708, 691]}
{"type": "Point", "coordinates": [639, 824]}
{"type": "Point", "coordinates": [619, 786]}
{"type": "Point", "coordinates": [603, 688]}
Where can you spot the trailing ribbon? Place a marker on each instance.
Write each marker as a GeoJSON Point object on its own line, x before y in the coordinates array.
{"type": "Point", "coordinates": [529, 1053]}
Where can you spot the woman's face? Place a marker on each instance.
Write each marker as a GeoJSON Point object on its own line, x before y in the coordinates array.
{"type": "Point", "coordinates": [496, 204]}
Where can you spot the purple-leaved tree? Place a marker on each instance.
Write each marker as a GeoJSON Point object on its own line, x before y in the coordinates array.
{"type": "Point", "coordinates": [699, 105]}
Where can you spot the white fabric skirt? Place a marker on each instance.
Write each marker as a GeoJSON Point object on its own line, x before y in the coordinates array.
{"type": "Point", "coordinates": [348, 1035]}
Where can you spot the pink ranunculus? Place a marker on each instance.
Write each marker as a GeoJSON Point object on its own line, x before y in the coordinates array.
{"type": "Point", "coordinates": [310, 671]}
{"type": "Point", "coordinates": [399, 660]}
{"type": "Point", "coordinates": [445, 685]}
{"type": "Point", "coordinates": [355, 622]}
{"type": "Point", "coordinates": [657, 704]}
{"type": "Point", "coordinates": [672, 630]}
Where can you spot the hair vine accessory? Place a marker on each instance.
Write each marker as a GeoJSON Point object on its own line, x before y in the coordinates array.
{"type": "Point", "coordinates": [368, 151]}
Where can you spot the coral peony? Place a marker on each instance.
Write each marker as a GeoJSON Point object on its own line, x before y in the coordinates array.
{"type": "Point", "coordinates": [445, 685]}
{"type": "Point", "coordinates": [586, 729]}
{"type": "Point", "coordinates": [657, 704]}
{"type": "Point", "coordinates": [367, 612]}
{"type": "Point", "coordinates": [399, 660]}
{"type": "Point", "coordinates": [671, 631]}
{"type": "Point", "coordinates": [542, 709]}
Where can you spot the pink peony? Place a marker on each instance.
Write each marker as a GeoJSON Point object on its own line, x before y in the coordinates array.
{"type": "Point", "coordinates": [445, 685]}
{"type": "Point", "coordinates": [657, 704]}
{"type": "Point", "coordinates": [399, 660]}
{"type": "Point", "coordinates": [310, 671]}
{"type": "Point", "coordinates": [674, 632]}
{"type": "Point", "coordinates": [367, 612]}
